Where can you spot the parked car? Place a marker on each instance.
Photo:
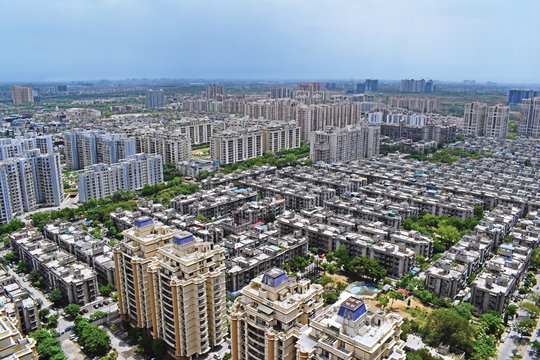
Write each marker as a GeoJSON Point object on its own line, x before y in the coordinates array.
{"type": "Point", "coordinates": [69, 328]}
{"type": "Point", "coordinates": [85, 311]}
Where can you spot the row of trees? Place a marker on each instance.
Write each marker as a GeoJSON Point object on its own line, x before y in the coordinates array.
{"type": "Point", "coordinates": [445, 231]}
{"type": "Point", "coordinates": [48, 347]}
{"type": "Point", "coordinates": [360, 267]}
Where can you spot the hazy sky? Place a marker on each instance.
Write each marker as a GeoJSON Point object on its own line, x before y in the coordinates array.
{"type": "Point", "coordinates": [45, 40]}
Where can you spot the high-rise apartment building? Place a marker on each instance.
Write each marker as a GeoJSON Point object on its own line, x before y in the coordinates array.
{"type": "Point", "coordinates": [348, 330]}
{"type": "Point", "coordinates": [372, 85]}
{"type": "Point", "coordinates": [530, 117]}
{"type": "Point", "coordinates": [216, 91]}
{"type": "Point", "coordinates": [29, 181]}
{"type": "Point", "coordinates": [173, 286]}
{"type": "Point", "coordinates": [344, 144]}
{"type": "Point", "coordinates": [482, 120]}
{"type": "Point", "coordinates": [360, 88]}
{"type": "Point", "coordinates": [155, 99]}
{"type": "Point", "coordinates": [497, 119]}
{"type": "Point", "coordinates": [22, 95]}
{"type": "Point", "coordinates": [417, 86]}
{"type": "Point", "coordinates": [268, 314]}
{"type": "Point", "coordinates": [516, 96]}
{"type": "Point", "coordinates": [173, 147]}
{"type": "Point", "coordinates": [132, 173]}
{"type": "Point", "coordinates": [311, 87]}
{"type": "Point", "coordinates": [199, 131]}
{"type": "Point", "coordinates": [233, 146]}
{"type": "Point", "coordinates": [474, 119]}
{"type": "Point", "coordinates": [280, 92]}
{"type": "Point", "coordinates": [281, 136]}
{"type": "Point", "coordinates": [83, 148]}
{"type": "Point", "coordinates": [14, 345]}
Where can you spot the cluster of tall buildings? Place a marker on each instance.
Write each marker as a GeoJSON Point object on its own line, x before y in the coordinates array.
{"type": "Point", "coordinates": [132, 173]}
{"type": "Point", "coordinates": [155, 99]}
{"type": "Point", "coordinates": [416, 86]}
{"type": "Point", "coordinates": [345, 144]}
{"type": "Point", "coordinates": [22, 94]}
{"type": "Point", "coordinates": [516, 96]}
{"type": "Point", "coordinates": [173, 147]}
{"type": "Point", "coordinates": [415, 103]}
{"type": "Point", "coordinates": [216, 91]}
{"type": "Point", "coordinates": [86, 147]}
{"type": "Point", "coordinates": [482, 120]}
{"type": "Point", "coordinates": [30, 176]}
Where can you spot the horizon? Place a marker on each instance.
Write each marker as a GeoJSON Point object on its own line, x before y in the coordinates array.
{"type": "Point", "coordinates": [272, 40]}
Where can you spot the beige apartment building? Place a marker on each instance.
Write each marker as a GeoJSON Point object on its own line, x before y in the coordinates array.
{"type": "Point", "coordinates": [14, 345]}
{"type": "Point", "coordinates": [348, 330]}
{"type": "Point", "coordinates": [269, 313]}
{"type": "Point", "coordinates": [172, 286]}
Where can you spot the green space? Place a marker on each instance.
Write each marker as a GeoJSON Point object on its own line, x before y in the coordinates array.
{"type": "Point", "coordinates": [448, 155]}
{"type": "Point", "coordinates": [290, 157]}
{"type": "Point", "coordinates": [444, 230]}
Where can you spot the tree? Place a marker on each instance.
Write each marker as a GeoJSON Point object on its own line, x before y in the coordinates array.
{"type": "Point", "coordinates": [525, 327]}
{"type": "Point", "coordinates": [342, 257]}
{"type": "Point", "coordinates": [511, 310]}
{"type": "Point", "coordinates": [52, 321]}
{"type": "Point", "coordinates": [329, 298]}
{"type": "Point", "coordinates": [383, 301]}
{"type": "Point", "coordinates": [9, 257]}
{"type": "Point", "coordinates": [200, 217]}
{"type": "Point", "coordinates": [106, 290]}
{"type": "Point", "coordinates": [464, 310]}
{"type": "Point", "coordinates": [269, 218]}
{"type": "Point", "coordinates": [536, 348]}
{"type": "Point", "coordinates": [56, 297]}
{"type": "Point", "coordinates": [395, 295]}
{"type": "Point", "coordinates": [491, 323]}
{"type": "Point", "coordinates": [530, 309]}
{"type": "Point", "coordinates": [43, 313]}
{"type": "Point", "coordinates": [158, 347]}
{"type": "Point", "coordinates": [448, 327]}
{"type": "Point", "coordinates": [72, 310]}
{"type": "Point", "coordinates": [96, 341]}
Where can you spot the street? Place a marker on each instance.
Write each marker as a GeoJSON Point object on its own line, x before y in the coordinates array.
{"type": "Point", "coordinates": [35, 293]}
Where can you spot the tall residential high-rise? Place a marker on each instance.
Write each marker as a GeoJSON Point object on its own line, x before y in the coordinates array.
{"type": "Point", "coordinates": [172, 285]}
{"type": "Point", "coordinates": [173, 147]}
{"type": "Point", "coordinates": [516, 96]}
{"type": "Point", "coordinates": [280, 92]}
{"type": "Point", "coordinates": [233, 146]}
{"type": "Point", "coordinates": [29, 181]}
{"type": "Point", "coordinates": [372, 85]}
{"type": "Point", "coordinates": [216, 91]}
{"type": "Point", "coordinates": [353, 142]}
{"type": "Point", "coordinates": [361, 88]}
{"type": "Point", "coordinates": [22, 94]}
{"type": "Point", "coordinates": [132, 173]}
{"type": "Point", "coordinates": [417, 86]}
{"type": "Point", "coordinates": [530, 117]}
{"type": "Point", "coordinates": [83, 148]}
{"type": "Point", "coordinates": [497, 119]}
{"type": "Point", "coordinates": [268, 314]}
{"type": "Point", "coordinates": [348, 330]}
{"type": "Point", "coordinates": [474, 119]}
{"type": "Point", "coordinates": [155, 98]}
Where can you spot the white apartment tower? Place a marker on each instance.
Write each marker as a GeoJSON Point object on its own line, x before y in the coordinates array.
{"type": "Point", "coordinates": [530, 117]}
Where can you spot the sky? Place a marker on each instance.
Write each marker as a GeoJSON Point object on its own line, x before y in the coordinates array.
{"type": "Point", "coordinates": [448, 40]}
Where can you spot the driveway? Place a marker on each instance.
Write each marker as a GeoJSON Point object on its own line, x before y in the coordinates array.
{"type": "Point", "coordinates": [72, 350]}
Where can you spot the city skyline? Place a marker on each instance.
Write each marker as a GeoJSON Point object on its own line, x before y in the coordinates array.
{"type": "Point", "coordinates": [270, 40]}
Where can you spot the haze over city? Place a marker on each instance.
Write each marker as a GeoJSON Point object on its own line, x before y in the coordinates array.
{"type": "Point", "coordinates": [62, 40]}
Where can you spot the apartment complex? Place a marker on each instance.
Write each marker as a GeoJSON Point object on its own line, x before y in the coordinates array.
{"type": "Point", "coordinates": [131, 173]}
{"type": "Point", "coordinates": [60, 270]}
{"type": "Point", "coordinates": [482, 120]}
{"type": "Point", "coordinates": [155, 99]}
{"type": "Point", "coordinates": [22, 95]}
{"type": "Point", "coordinates": [269, 313]}
{"type": "Point", "coordinates": [233, 146]}
{"type": "Point", "coordinates": [415, 103]}
{"type": "Point", "coordinates": [199, 131]}
{"type": "Point", "coordinates": [29, 181]}
{"type": "Point", "coordinates": [530, 117]}
{"type": "Point", "coordinates": [341, 145]}
{"type": "Point", "coordinates": [173, 286]}
{"type": "Point", "coordinates": [173, 147]}
{"type": "Point", "coordinates": [83, 148]}
{"type": "Point", "coordinates": [348, 330]}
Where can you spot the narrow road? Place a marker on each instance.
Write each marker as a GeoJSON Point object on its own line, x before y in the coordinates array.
{"type": "Point", "coordinates": [35, 293]}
